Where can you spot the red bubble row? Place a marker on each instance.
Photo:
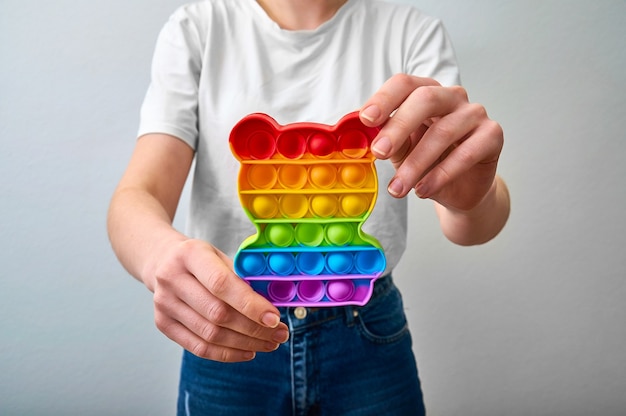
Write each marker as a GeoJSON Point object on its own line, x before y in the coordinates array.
{"type": "Point", "coordinates": [294, 144]}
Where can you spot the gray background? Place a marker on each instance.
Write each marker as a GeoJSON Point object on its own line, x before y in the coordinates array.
{"type": "Point", "coordinates": [529, 324]}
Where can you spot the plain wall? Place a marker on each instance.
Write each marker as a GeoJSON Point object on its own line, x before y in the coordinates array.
{"type": "Point", "coordinates": [531, 323]}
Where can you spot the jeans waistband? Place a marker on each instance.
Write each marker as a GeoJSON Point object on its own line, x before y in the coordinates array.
{"type": "Point", "coordinates": [303, 317]}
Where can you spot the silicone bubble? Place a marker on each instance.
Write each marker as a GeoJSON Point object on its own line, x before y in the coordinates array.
{"type": "Point", "coordinates": [309, 234]}
{"type": "Point", "coordinates": [310, 262]}
{"type": "Point", "coordinates": [262, 176]}
{"type": "Point", "coordinates": [324, 206]}
{"type": "Point", "coordinates": [340, 290]}
{"type": "Point", "coordinates": [311, 290]}
{"type": "Point", "coordinates": [369, 261]}
{"type": "Point", "coordinates": [354, 205]}
{"type": "Point", "coordinates": [281, 263]}
{"type": "Point", "coordinates": [323, 176]}
{"type": "Point", "coordinates": [353, 144]}
{"type": "Point", "coordinates": [339, 234]}
{"type": "Point", "coordinates": [279, 234]}
{"type": "Point", "coordinates": [294, 205]}
{"type": "Point", "coordinates": [308, 189]}
{"type": "Point", "coordinates": [291, 144]}
{"type": "Point", "coordinates": [264, 206]}
{"type": "Point", "coordinates": [281, 290]}
{"type": "Point", "coordinates": [339, 262]}
{"type": "Point", "coordinates": [252, 264]}
{"type": "Point", "coordinates": [361, 292]}
{"type": "Point", "coordinates": [292, 176]}
{"type": "Point", "coordinates": [321, 145]}
{"type": "Point", "coordinates": [261, 145]}
{"type": "Point", "coordinates": [353, 175]}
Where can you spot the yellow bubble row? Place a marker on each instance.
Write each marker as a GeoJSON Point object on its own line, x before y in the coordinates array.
{"type": "Point", "coordinates": [297, 205]}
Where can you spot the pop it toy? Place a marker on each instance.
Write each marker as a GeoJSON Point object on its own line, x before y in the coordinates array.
{"type": "Point", "coordinates": [308, 188]}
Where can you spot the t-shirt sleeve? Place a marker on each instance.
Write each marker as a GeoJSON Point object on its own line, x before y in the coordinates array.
{"type": "Point", "coordinates": [432, 54]}
{"type": "Point", "coordinates": [170, 105]}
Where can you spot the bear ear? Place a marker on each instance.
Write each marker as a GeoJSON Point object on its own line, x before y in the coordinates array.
{"type": "Point", "coordinates": [354, 137]}
{"type": "Point", "coordinates": [254, 137]}
{"type": "Point", "coordinates": [351, 123]}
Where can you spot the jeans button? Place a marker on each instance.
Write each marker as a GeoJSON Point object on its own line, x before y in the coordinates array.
{"type": "Point", "coordinates": [300, 312]}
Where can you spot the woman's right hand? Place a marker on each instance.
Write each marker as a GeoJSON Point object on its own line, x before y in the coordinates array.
{"type": "Point", "coordinates": [201, 304]}
{"type": "Point", "coordinates": [199, 301]}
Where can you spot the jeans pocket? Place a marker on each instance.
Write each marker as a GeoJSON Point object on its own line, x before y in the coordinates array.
{"type": "Point", "coordinates": [382, 320]}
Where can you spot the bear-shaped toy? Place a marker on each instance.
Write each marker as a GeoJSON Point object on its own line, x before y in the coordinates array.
{"type": "Point", "coordinates": [308, 188]}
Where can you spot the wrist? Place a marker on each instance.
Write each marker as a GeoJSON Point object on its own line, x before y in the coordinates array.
{"type": "Point", "coordinates": [482, 222]}
{"type": "Point", "coordinates": [162, 248]}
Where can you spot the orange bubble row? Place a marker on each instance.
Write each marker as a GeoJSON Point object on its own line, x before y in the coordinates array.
{"type": "Point", "coordinates": [300, 176]}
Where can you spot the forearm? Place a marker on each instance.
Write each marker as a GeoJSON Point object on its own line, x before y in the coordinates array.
{"type": "Point", "coordinates": [481, 223]}
{"type": "Point", "coordinates": [139, 229]}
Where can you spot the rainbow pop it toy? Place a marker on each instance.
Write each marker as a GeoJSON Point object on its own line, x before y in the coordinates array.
{"type": "Point", "coordinates": [308, 188]}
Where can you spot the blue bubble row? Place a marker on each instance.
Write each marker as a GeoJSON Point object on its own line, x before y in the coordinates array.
{"type": "Point", "coordinates": [313, 263]}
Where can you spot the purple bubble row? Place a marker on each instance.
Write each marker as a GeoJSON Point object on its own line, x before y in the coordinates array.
{"type": "Point", "coordinates": [312, 290]}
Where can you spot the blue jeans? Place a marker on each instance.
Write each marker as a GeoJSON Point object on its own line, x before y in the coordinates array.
{"type": "Point", "coordinates": [339, 361]}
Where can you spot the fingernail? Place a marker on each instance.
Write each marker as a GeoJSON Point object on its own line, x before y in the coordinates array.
{"type": "Point", "coordinates": [396, 188]}
{"type": "Point", "coordinates": [421, 190]}
{"type": "Point", "coordinates": [271, 346]}
{"type": "Point", "coordinates": [281, 336]}
{"type": "Point", "coordinates": [270, 320]}
{"type": "Point", "coordinates": [371, 113]}
{"type": "Point", "coordinates": [382, 147]}
{"type": "Point", "coordinates": [249, 355]}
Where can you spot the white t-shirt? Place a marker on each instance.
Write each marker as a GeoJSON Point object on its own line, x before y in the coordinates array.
{"type": "Point", "coordinates": [219, 60]}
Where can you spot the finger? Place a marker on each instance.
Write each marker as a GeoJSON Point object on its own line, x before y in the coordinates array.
{"type": "Point", "coordinates": [209, 331]}
{"type": "Point", "coordinates": [208, 267]}
{"type": "Point", "coordinates": [478, 153]}
{"type": "Point", "coordinates": [389, 96]}
{"type": "Point", "coordinates": [407, 148]}
{"type": "Point", "coordinates": [420, 107]}
{"type": "Point", "coordinates": [178, 333]}
{"type": "Point", "coordinates": [218, 313]}
{"type": "Point", "coordinates": [433, 146]}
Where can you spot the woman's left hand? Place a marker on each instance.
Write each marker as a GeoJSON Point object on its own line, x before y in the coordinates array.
{"type": "Point", "coordinates": [442, 146]}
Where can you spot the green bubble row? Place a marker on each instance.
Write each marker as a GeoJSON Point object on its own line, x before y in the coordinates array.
{"type": "Point", "coordinates": [309, 234]}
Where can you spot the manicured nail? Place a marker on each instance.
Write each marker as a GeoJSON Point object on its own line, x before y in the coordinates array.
{"type": "Point", "coordinates": [270, 320]}
{"type": "Point", "coordinates": [396, 188]}
{"type": "Point", "coordinates": [371, 113]}
{"type": "Point", "coordinates": [382, 147]}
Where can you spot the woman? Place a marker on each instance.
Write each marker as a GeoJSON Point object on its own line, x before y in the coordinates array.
{"type": "Point", "coordinates": [296, 60]}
